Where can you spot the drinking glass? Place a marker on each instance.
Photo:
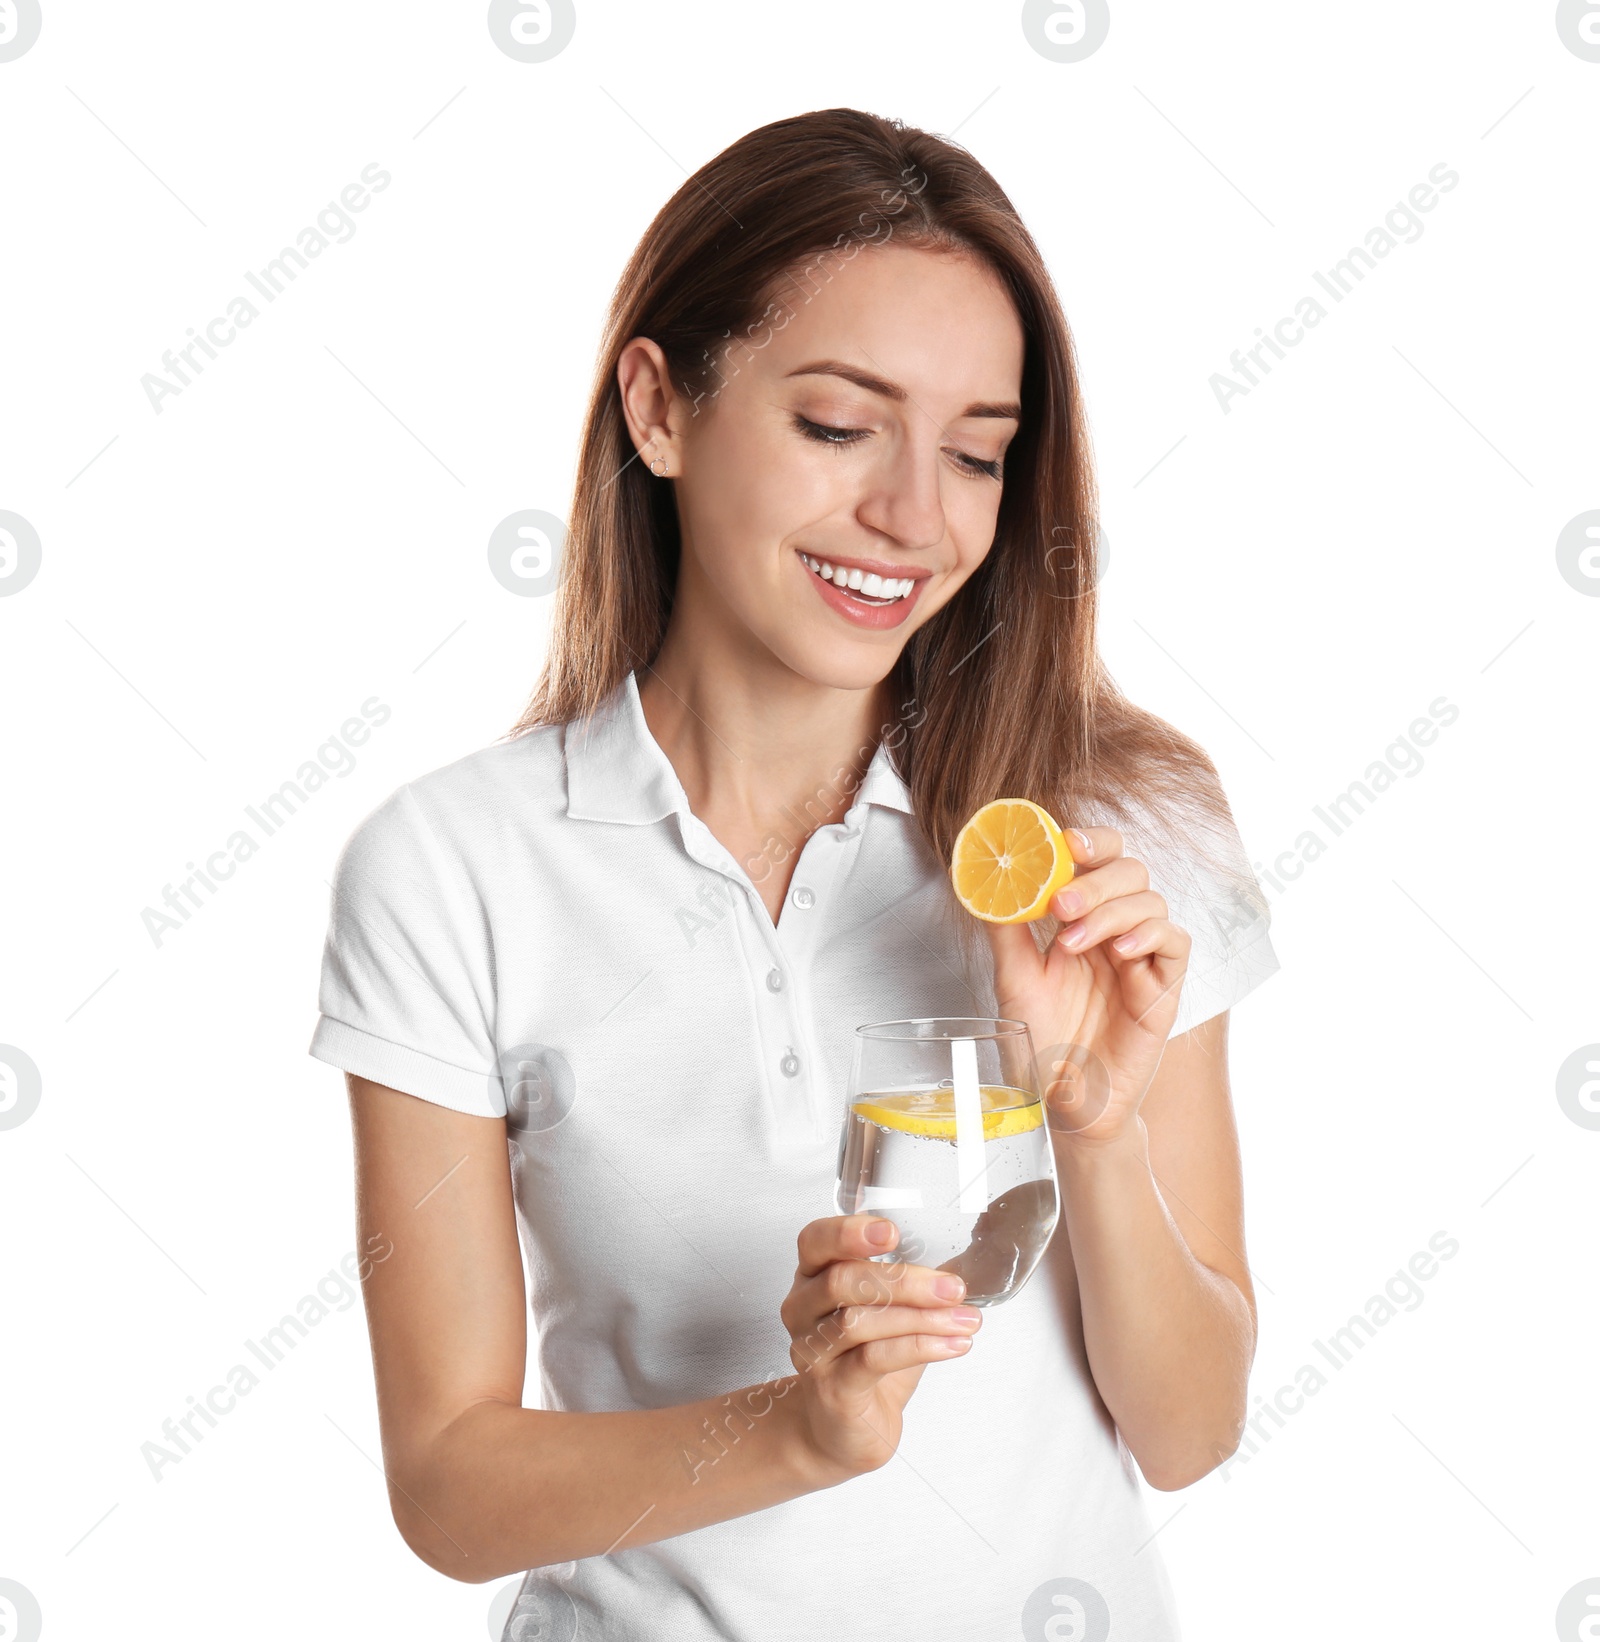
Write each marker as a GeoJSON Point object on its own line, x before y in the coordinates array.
{"type": "Point", "coordinates": [944, 1133]}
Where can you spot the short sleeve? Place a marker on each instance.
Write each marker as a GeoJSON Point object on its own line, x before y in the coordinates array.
{"type": "Point", "coordinates": [406, 992]}
{"type": "Point", "coordinates": [1231, 953]}
{"type": "Point", "coordinates": [1217, 900]}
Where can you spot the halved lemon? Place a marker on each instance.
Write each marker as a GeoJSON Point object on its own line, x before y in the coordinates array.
{"type": "Point", "coordinates": [932, 1112]}
{"type": "Point", "coordinates": [1009, 859]}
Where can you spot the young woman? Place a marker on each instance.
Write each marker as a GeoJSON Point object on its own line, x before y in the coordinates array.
{"type": "Point", "coordinates": [829, 586]}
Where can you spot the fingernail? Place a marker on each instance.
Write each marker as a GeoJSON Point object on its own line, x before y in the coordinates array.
{"type": "Point", "coordinates": [1083, 841]}
{"type": "Point", "coordinates": [949, 1287]}
{"type": "Point", "coordinates": [1071, 901]}
{"type": "Point", "coordinates": [881, 1232]}
{"type": "Point", "coordinates": [955, 1343]}
{"type": "Point", "coordinates": [1123, 942]}
{"type": "Point", "coordinates": [967, 1316]}
{"type": "Point", "coordinates": [1072, 934]}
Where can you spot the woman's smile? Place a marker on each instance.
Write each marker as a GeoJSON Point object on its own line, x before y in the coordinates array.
{"type": "Point", "coordinates": [863, 591]}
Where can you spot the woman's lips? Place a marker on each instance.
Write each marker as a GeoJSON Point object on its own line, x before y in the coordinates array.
{"type": "Point", "coordinates": [858, 612]}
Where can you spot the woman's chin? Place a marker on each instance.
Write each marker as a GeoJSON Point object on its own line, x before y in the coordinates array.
{"type": "Point", "coordinates": [836, 666]}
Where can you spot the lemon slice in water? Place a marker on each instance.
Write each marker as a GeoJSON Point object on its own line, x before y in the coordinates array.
{"type": "Point", "coordinates": [932, 1112]}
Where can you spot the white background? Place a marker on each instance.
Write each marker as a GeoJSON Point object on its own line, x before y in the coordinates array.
{"type": "Point", "coordinates": [224, 583]}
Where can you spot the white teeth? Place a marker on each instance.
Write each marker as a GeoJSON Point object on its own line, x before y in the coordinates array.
{"type": "Point", "coordinates": [867, 583]}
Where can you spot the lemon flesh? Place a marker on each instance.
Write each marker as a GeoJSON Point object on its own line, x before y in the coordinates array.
{"type": "Point", "coordinates": [1009, 860]}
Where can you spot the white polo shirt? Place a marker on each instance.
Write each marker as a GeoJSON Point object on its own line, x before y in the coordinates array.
{"type": "Point", "coordinates": [551, 910]}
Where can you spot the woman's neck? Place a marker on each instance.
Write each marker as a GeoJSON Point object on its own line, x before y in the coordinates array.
{"type": "Point", "coordinates": [765, 756]}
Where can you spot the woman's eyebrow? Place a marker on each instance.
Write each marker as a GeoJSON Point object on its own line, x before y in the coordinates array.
{"type": "Point", "coordinates": [1011, 411]}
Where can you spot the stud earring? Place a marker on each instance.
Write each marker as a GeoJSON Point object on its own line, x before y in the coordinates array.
{"type": "Point", "coordinates": [659, 473]}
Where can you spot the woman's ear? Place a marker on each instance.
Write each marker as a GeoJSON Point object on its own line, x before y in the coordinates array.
{"type": "Point", "coordinates": [645, 385]}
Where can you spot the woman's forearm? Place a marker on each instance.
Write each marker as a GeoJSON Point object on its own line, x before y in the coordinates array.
{"type": "Point", "coordinates": [503, 1488]}
{"type": "Point", "coordinates": [1169, 1340]}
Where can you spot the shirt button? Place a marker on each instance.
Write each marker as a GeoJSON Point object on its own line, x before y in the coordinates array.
{"type": "Point", "coordinates": [790, 1065]}
{"type": "Point", "coordinates": [804, 898]}
{"type": "Point", "coordinates": [774, 980]}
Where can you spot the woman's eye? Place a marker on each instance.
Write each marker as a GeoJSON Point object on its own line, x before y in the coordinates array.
{"type": "Point", "coordinates": [977, 466]}
{"type": "Point", "coordinates": [826, 434]}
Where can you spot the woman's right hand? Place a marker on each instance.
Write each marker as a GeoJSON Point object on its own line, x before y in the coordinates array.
{"type": "Point", "coordinates": [861, 1333]}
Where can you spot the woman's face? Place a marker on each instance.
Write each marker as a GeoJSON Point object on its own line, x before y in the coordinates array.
{"type": "Point", "coordinates": [866, 438]}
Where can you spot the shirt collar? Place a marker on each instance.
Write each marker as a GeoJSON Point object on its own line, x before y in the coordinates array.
{"type": "Point", "coordinates": [882, 784]}
{"type": "Point", "coordinates": [616, 770]}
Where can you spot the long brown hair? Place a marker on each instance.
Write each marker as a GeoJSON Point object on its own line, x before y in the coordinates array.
{"type": "Point", "coordinates": [1002, 693]}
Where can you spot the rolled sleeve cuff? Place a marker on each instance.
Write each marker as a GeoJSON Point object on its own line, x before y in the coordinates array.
{"type": "Point", "coordinates": [1221, 983]}
{"type": "Point", "coordinates": [408, 1070]}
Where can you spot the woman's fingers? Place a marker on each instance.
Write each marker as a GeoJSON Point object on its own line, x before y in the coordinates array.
{"type": "Point", "coordinates": [1154, 938]}
{"type": "Point", "coordinates": [1116, 917]}
{"type": "Point", "coordinates": [1016, 957]}
{"type": "Point", "coordinates": [868, 1283]}
{"type": "Point", "coordinates": [851, 1328]}
{"type": "Point", "coordinates": [843, 1237]}
{"type": "Point", "coordinates": [857, 1318]}
{"type": "Point", "coordinates": [1088, 890]}
{"type": "Point", "coordinates": [1093, 846]}
{"type": "Point", "coordinates": [857, 1371]}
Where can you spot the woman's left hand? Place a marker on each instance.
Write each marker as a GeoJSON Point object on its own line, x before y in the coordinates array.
{"type": "Point", "coordinates": [1101, 999]}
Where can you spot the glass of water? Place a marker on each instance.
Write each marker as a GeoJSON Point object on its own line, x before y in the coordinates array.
{"type": "Point", "coordinates": [944, 1134]}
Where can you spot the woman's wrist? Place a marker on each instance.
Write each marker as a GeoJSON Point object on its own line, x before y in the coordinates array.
{"type": "Point", "coordinates": [808, 1468]}
{"type": "Point", "coordinates": [1091, 1150]}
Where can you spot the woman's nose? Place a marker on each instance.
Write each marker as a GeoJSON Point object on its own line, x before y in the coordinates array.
{"type": "Point", "coordinates": [903, 500]}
